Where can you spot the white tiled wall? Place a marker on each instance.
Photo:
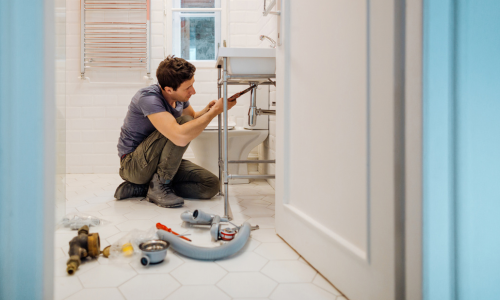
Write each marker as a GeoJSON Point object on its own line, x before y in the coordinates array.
{"type": "Point", "coordinates": [96, 107]}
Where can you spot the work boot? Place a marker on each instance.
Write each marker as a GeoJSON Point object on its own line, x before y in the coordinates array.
{"type": "Point", "coordinates": [131, 190]}
{"type": "Point", "coordinates": [162, 194]}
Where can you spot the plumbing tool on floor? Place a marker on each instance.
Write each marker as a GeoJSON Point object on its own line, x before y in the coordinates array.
{"type": "Point", "coordinates": [198, 217]}
{"type": "Point", "coordinates": [83, 245]}
{"type": "Point", "coordinates": [153, 252]}
{"type": "Point", "coordinates": [163, 227]}
{"type": "Point", "coordinates": [227, 234]}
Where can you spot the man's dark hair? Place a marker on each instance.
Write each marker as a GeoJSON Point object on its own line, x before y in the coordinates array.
{"type": "Point", "coordinates": [173, 71]}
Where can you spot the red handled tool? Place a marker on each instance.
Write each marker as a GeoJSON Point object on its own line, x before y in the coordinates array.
{"type": "Point", "coordinates": [235, 96]}
{"type": "Point", "coordinates": [163, 227]}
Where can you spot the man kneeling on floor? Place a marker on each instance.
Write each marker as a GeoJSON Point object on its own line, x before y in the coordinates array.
{"type": "Point", "coordinates": [156, 132]}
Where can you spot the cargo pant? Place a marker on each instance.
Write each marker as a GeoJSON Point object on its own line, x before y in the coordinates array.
{"type": "Point", "coordinates": [157, 154]}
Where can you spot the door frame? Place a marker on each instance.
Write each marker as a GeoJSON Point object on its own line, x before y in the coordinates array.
{"type": "Point", "coordinates": [413, 149]}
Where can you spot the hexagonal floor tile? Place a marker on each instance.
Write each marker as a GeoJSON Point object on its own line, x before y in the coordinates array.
{"type": "Point", "coordinates": [241, 262]}
{"type": "Point", "coordinates": [255, 202]}
{"type": "Point", "coordinates": [276, 251]}
{"type": "Point", "coordinates": [136, 224]}
{"type": "Point", "coordinates": [251, 299]}
{"type": "Point", "coordinates": [149, 286]}
{"type": "Point", "coordinates": [92, 207]}
{"type": "Point", "coordinates": [300, 291]}
{"type": "Point", "coordinates": [327, 286]}
{"type": "Point", "coordinates": [242, 198]}
{"type": "Point", "coordinates": [198, 273]}
{"type": "Point", "coordinates": [66, 286]}
{"type": "Point", "coordinates": [235, 208]}
{"type": "Point", "coordinates": [251, 245]}
{"type": "Point", "coordinates": [62, 238]}
{"type": "Point", "coordinates": [205, 292]}
{"type": "Point", "coordinates": [248, 284]}
{"type": "Point", "coordinates": [97, 294]}
{"type": "Point", "coordinates": [139, 205]}
{"type": "Point", "coordinates": [289, 271]}
{"type": "Point", "coordinates": [263, 222]}
{"type": "Point", "coordinates": [143, 214]}
{"type": "Point", "coordinates": [111, 275]}
{"type": "Point", "coordinates": [76, 203]}
{"type": "Point", "coordinates": [171, 262]}
{"type": "Point", "coordinates": [104, 199]}
{"type": "Point", "coordinates": [267, 235]}
{"type": "Point", "coordinates": [105, 231]}
{"type": "Point", "coordinates": [117, 210]}
{"type": "Point", "coordinates": [115, 238]}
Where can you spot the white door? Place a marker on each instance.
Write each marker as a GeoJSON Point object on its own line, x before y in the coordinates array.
{"type": "Point", "coordinates": [338, 141]}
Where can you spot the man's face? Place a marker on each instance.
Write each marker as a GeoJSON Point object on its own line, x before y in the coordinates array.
{"type": "Point", "coordinates": [184, 91]}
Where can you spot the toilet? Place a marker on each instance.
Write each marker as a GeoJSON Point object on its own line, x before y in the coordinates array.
{"type": "Point", "coordinates": [241, 140]}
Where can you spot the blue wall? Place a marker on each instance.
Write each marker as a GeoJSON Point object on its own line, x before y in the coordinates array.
{"type": "Point", "coordinates": [461, 149]}
{"type": "Point", "coordinates": [22, 150]}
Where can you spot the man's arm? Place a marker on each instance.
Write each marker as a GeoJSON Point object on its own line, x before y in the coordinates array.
{"type": "Point", "coordinates": [181, 135]}
{"type": "Point", "coordinates": [196, 114]}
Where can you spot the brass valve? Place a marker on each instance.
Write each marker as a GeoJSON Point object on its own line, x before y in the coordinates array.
{"type": "Point", "coordinates": [81, 246]}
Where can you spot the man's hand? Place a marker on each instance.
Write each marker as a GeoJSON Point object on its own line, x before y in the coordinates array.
{"type": "Point", "coordinates": [207, 108]}
{"type": "Point", "coordinates": [218, 106]}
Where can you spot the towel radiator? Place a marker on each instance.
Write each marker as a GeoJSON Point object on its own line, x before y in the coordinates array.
{"type": "Point", "coordinates": [115, 35]}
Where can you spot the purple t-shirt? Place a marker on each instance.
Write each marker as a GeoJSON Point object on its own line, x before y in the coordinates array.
{"type": "Point", "coordinates": [136, 126]}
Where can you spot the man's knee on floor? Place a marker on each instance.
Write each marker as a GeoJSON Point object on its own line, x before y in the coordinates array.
{"type": "Point", "coordinates": [184, 119]}
{"type": "Point", "coordinates": [211, 187]}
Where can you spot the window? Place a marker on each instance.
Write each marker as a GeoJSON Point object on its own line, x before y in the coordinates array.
{"type": "Point", "coordinates": [194, 29]}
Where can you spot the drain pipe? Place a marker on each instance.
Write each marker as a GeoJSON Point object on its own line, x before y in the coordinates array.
{"type": "Point", "coordinates": [252, 111]}
{"type": "Point", "coordinates": [204, 253]}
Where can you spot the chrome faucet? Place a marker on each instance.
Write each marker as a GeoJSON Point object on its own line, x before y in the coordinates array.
{"type": "Point", "coordinates": [270, 39]}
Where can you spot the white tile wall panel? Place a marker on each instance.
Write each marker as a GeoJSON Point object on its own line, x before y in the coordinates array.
{"type": "Point", "coordinates": [157, 28]}
{"type": "Point", "coordinates": [238, 40]}
{"type": "Point", "coordinates": [237, 17]}
{"type": "Point", "coordinates": [93, 136]}
{"type": "Point", "coordinates": [73, 136]}
{"type": "Point", "coordinates": [205, 87]}
{"type": "Point", "coordinates": [79, 124]}
{"type": "Point", "coordinates": [112, 135]}
{"type": "Point", "coordinates": [79, 148]}
{"type": "Point", "coordinates": [104, 124]}
{"type": "Point", "coordinates": [104, 147]}
{"type": "Point", "coordinates": [253, 16]}
{"type": "Point", "coordinates": [157, 52]}
{"type": "Point", "coordinates": [105, 100]}
{"type": "Point", "coordinates": [157, 16]}
{"type": "Point", "coordinates": [157, 5]}
{"type": "Point", "coordinates": [73, 17]}
{"type": "Point", "coordinates": [72, 5]}
{"type": "Point", "coordinates": [93, 112]}
{"type": "Point", "coordinates": [76, 169]}
{"type": "Point", "coordinates": [116, 112]}
{"type": "Point", "coordinates": [107, 169]}
{"type": "Point", "coordinates": [157, 40]}
{"type": "Point", "coordinates": [73, 112]}
{"type": "Point", "coordinates": [205, 75]}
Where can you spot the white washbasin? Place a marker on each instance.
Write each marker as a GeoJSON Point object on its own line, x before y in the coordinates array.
{"type": "Point", "coordinates": [248, 60]}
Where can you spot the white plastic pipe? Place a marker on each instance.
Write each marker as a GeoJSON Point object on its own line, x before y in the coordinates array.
{"type": "Point", "coordinates": [204, 253]}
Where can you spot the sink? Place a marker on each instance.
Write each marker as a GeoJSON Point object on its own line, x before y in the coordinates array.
{"type": "Point", "coordinates": [252, 61]}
